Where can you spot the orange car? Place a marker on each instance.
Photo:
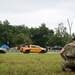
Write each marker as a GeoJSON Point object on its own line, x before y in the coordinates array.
{"type": "Point", "coordinates": [33, 49]}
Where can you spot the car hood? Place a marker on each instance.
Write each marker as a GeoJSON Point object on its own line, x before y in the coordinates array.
{"type": "Point", "coordinates": [3, 49]}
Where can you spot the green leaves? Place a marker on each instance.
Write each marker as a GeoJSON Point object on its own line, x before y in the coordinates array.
{"type": "Point", "coordinates": [42, 35]}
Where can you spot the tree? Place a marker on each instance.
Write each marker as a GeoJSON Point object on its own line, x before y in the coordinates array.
{"type": "Point", "coordinates": [0, 22]}
{"type": "Point", "coordinates": [6, 22]}
{"type": "Point", "coordinates": [61, 35]}
{"type": "Point", "coordinates": [40, 35]}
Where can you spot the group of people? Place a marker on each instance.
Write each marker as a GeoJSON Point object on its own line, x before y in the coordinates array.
{"type": "Point", "coordinates": [68, 54]}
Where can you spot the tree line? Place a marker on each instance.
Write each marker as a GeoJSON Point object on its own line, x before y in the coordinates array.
{"type": "Point", "coordinates": [14, 35]}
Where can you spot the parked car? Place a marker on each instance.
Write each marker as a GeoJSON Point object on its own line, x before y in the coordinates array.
{"type": "Point", "coordinates": [2, 50]}
{"type": "Point", "coordinates": [56, 48]}
{"type": "Point", "coordinates": [33, 49]}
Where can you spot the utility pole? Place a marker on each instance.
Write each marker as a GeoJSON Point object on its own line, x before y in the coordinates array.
{"type": "Point", "coordinates": [70, 27]}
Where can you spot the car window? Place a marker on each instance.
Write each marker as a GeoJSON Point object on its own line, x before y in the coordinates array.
{"type": "Point", "coordinates": [27, 46]}
{"type": "Point", "coordinates": [34, 46]}
{"type": "Point", "coordinates": [37, 46]}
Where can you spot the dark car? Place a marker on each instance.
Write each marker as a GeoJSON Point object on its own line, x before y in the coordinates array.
{"type": "Point", "coordinates": [56, 48]}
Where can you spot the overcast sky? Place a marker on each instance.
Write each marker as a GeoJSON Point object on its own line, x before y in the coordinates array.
{"type": "Point", "coordinates": [34, 12]}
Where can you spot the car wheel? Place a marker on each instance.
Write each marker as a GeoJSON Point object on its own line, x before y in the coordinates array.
{"type": "Point", "coordinates": [27, 51]}
{"type": "Point", "coordinates": [42, 51]}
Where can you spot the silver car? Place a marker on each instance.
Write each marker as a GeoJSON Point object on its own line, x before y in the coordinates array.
{"type": "Point", "coordinates": [2, 50]}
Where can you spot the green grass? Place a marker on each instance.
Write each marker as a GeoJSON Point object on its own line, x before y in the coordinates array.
{"type": "Point", "coordinates": [31, 64]}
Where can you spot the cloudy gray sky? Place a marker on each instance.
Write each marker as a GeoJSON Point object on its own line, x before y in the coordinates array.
{"type": "Point", "coordinates": [34, 12]}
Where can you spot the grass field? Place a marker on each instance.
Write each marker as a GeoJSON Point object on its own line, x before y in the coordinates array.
{"type": "Point", "coordinates": [17, 63]}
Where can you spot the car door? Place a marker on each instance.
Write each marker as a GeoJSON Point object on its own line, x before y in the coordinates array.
{"type": "Point", "coordinates": [35, 49]}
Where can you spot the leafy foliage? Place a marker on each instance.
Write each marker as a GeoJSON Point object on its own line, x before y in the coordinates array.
{"type": "Point", "coordinates": [42, 35]}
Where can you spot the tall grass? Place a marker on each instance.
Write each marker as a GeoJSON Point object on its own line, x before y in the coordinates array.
{"type": "Point", "coordinates": [31, 64]}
